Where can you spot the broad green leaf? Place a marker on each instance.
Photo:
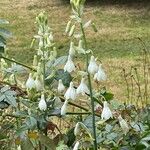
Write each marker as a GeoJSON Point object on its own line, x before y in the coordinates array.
{"type": "Point", "coordinates": [27, 145]}
{"type": "Point", "coordinates": [60, 61]}
{"type": "Point", "coordinates": [46, 141]}
{"type": "Point", "coordinates": [5, 33]}
{"type": "Point", "coordinates": [64, 76]}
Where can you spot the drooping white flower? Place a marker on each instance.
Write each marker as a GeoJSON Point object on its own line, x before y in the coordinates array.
{"type": "Point", "coordinates": [106, 113]}
{"type": "Point", "coordinates": [82, 88]}
{"type": "Point", "coordinates": [77, 129]}
{"type": "Point", "coordinates": [76, 146]}
{"type": "Point", "coordinates": [92, 68]}
{"type": "Point", "coordinates": [123, 125]}
{"type": "Point", "coordinates": [42, 103]}
{"type": "Point", "coordinates": [72, 49]}
{"type": "Point", "coordinates": [80, 48]}
{"type": "Point", "coordinates": [38, 84]}
{"type": "Point", "coordinates": [61, 87]}
{"type": "Point", "coordinates": [64, 108]}
{"type": "Point", "coordinates": [30, 84]}
{"type": "Point", "coordinates": [71, 92]}
{"type": "Point", "coordinates": [100, 75]}
{"type": "Point", "coordinates": [69, 66]}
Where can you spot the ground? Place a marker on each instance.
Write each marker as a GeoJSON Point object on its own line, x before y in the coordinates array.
{"type": "Point", "coordinates": [119, 26]}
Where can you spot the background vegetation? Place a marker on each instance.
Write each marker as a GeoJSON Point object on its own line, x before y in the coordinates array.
{"type": "Point", "coordinates": [119, 24]}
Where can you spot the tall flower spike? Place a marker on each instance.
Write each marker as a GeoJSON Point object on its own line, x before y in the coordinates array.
{"type": "Point", "coordinates": [100, 75]}
{"type": "Point", "coordinates": [92, 68]}
{"type": "Point", "coordinates": [61, 87]}
{"type": "Point", "coordinates": [82, 88]}
{"type": "Point", "coordinates": [123, 125]}
{"type": "Point", "coordinates": [42, 103]}
{"type": "Point", "coordinates": [69, 66]}
{"type": "Point", "coordinates": [76, 146]}
{"type": "Point", "coordinates": [64, 108]}
{"type": "Point", "coordinates": [72, 49]}
{"type": "Point", "coordinates": [106, 113]}
{"type": "Point", "coordinates": [71, 92]}
{"type": "Point", "coordinates": [38, 84]}
{"type": "Point", "coordinates": [30, 84]}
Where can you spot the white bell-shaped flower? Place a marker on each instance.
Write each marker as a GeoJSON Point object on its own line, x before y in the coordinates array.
{"type": "Point", "coordinates": [30, 84]}
{"type": "Point", "coordinates": [123, 125]}
{"type": "Point", "coordinates": [61, 87]}
{"type": "Point", "coordinates": [42, 103]}
{"type": "Point", "coordinates": [106, 113]}
{"type": "Point", "coordinates": [92, 68]}
{"type": "Point", "coordinates": [64, 108]}
{"type": "Point", "coordinates": [38, 84]}
{"type": "Point", "coordinates": [100, 75]}
{"type": "Point", "coordinates": [82, 88]}
{"type": "Point", "coordinates": [76, 146]}
{"type": "Point", "coordinates": [71, 92]}
{"type": "Point", "coordinates": [72, 49]}
{"type": "Point", "coordinates": [69, 66]}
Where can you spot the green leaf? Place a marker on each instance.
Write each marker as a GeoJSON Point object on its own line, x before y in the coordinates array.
{"type": "Point", "coordinates": [2, 21]}
{"type": "Point", "coordinates": [5, 33]}
{"type": "Point", "coordinates": [60, 61]}
{"type": "Point", "coordinates": [46, 141]}
{"type": "Point", "coordinates": [64, 76]}
{"type": "Point", "coordinates": [27, 145]}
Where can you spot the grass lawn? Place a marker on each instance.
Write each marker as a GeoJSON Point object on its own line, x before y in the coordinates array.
{"type": "Point", "coordinates": [116, 42]}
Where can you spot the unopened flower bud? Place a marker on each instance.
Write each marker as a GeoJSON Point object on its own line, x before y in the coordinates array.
{"type": "Point", "coordinates": [61, 87]}
{"type": "Point", "coordinates": [68, 27]}
{"type": "Point", "coordinates": [72, 30]}
{"type": "Point", "coordinates": [64, 108]}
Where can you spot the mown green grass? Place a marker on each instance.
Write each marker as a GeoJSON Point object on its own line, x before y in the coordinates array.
{"type": "Point", "coordinates": [119, 25]}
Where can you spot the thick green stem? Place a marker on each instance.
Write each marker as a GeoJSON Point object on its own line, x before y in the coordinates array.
{"type": "Point", "coordinates": [19, 63]}
{"type": "Point", "coordinates": [90, 87]}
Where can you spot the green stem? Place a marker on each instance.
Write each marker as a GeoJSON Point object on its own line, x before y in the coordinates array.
{"type": "Point", "coordinates": [90, 87]}
{"type": "Point", "coordinates": [19, 63]}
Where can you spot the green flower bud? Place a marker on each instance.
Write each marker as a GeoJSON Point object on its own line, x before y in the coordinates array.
{"type": "Point", "coordinates": [72, 30]}
{"type": "Point", "coordinates": [68, 27]}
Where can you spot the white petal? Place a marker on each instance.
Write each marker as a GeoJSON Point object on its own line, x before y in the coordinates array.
{"type": "Point", "coordinates": [92, 68]}
{"type": "Point", "coordinates": [70, 93]}
{"type": "Point", "coordinates": [76, 146]}
{"type": "Point", "coordinates": [64, 108]}
{"type": "Point", "coordinates": [42, 103]}
{"type": "Point", "coordinates": [30, 82]}
{"type": "Point", "coordinates": [106, 112]}
{"type": "Point", "coordinates": [61, 87]}
{"type": "Point", "coordinates": [82, 88]}
{"type": "Point", "coordinates": [69, 66]}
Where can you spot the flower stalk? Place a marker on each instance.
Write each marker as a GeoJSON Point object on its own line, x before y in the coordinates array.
{"type": "Point", "coordinates": [90, 86]}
